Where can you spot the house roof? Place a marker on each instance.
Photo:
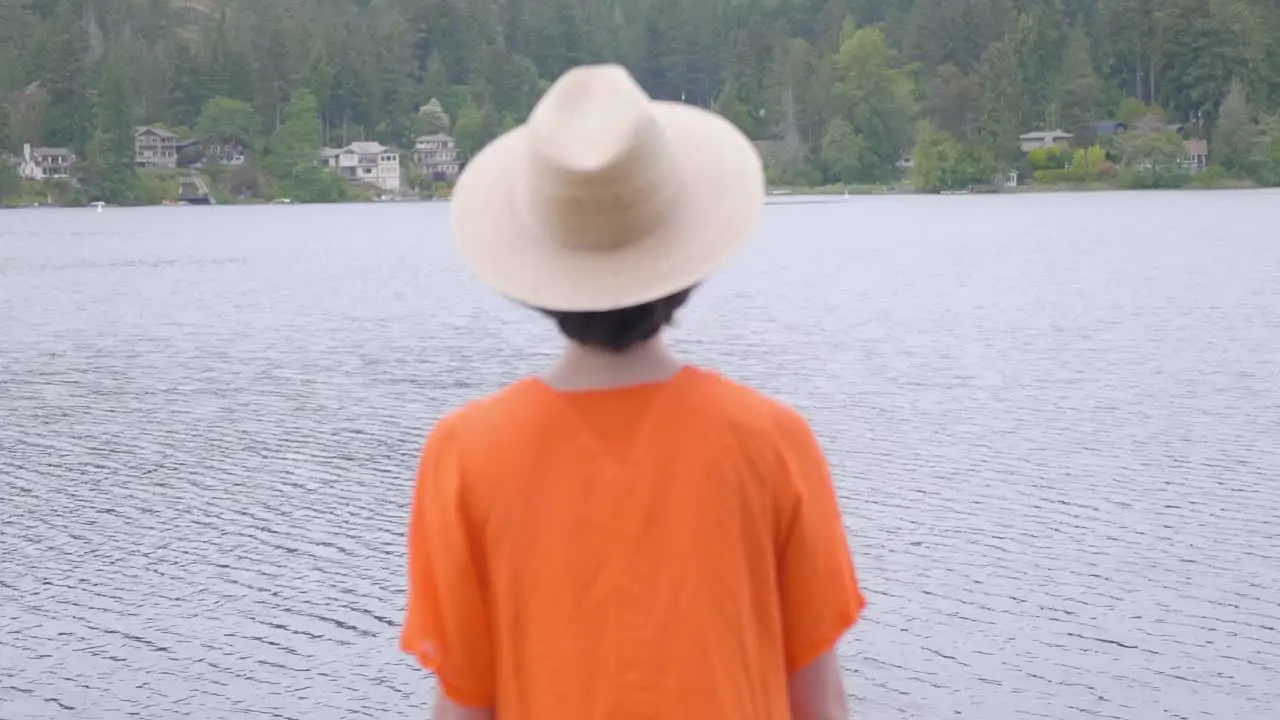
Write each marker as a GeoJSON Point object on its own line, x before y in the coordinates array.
{"type": "Point", "coordinates": [1046, 135]}
{"type": "Point", "coordinates": [436, 137]}
{"type": "Point", "coordinates": [329, 152]}
{"type": "Point", "coordinates": [50, 151]}
{"type": "Point", "coordinates": [1109, 127]}
{"type": "Point", "coordinates": [157, 131]}
{"type": "Point", "coordinates": [1196, 146]}
{"type": "Point", "coordinates": [366, 148]}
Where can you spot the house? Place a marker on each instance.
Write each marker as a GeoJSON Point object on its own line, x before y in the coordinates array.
{"type": "Point", "coordinates": [1044, 139]}
{"type": "Point", "coordinates": [1195, 155]}
{"type": "Point", "coordinates": [41, 163]}
{"type": "Point", "coordinates": [1103, 128]}
{"type": "Point", "coordinates": [365, 162]}
{"type": "Point", "coordinates": [225, 152]}
{"type": "Point", "coordinates": [1106, 128]}
{"type": "Point", "coordinates": [155, 148]}
{"type": "Point", "coordinates": [437, 156]}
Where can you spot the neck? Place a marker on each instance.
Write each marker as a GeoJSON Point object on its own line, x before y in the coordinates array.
{"type": "Point", "coordinates": [584, 368]}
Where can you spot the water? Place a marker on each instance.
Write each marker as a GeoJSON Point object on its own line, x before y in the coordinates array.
{"type": "Point", "coordinates": [1054, 421]}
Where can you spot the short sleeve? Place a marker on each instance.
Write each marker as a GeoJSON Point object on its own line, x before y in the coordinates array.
{"type": "Point", "coordinates": [446, 625]}
{"type": "Point", "coordinates": [820, 598]}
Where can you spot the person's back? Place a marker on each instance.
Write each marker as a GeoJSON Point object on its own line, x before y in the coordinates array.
{"type": "Point", "coordinates": [627, 537]}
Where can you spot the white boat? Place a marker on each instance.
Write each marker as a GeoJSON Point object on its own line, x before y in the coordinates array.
{"type": "Point", "coordinates": [98, 205]}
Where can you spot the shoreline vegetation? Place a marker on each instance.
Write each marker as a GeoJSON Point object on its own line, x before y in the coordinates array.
{"type": "Point", "coordinates": [857, 96]}
{"type": "Point", "coordinates": [162, 191]}
{"type": "Point", "coordinates": [775, 195]}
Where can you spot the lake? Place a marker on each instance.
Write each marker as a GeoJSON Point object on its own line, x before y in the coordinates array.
{"type": "Point", "coordinates": [1054, 422]}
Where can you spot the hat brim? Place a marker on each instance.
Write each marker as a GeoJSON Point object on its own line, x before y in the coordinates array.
{"type": "Point", "coordinates": [721, 192]}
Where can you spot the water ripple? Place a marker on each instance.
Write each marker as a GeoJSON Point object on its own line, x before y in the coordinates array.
{"type": "Point", "coordinates": [1056, 447]}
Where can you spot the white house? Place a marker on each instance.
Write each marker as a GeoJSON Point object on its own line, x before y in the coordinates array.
{"type": "Point", "coordinates": [1195, 155]}
{"type": "Point", "coordinates": [437, 156]}
{"type": "Point", "coordinates": [365, 162]}
{"type": "Point", "coordinates": [43, 163]}
{"type": "Point", "coordinates": [226, 152]}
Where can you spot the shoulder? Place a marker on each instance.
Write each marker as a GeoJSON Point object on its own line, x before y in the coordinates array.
{"type": "Point", "coordinates": [478, 420]}
{"type": "Point", "coordinates": [749, 409]}
{"type": "Point", "coordinates": [455, 455]}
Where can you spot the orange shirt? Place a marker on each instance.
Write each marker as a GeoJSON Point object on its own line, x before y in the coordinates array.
{"type": "Point", "coordinates": [662, 551]}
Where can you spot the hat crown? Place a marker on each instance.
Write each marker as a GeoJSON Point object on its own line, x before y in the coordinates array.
{"type": "Point", "coordinates": [602, 171]}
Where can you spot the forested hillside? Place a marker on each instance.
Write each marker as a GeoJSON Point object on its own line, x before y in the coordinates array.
{"type": "Point", "coordinates": [841, 87]}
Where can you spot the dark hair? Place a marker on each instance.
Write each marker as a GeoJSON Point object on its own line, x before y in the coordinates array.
{"type": "Point", "coordinates": [619, 330]}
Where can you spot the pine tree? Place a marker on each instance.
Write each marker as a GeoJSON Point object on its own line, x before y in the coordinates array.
{"type": "Point", "coordinates": [297, 142]}
{"type": "Point", "coordinates": [1001, 104]}
{"type": "Point", "coordinates": [1237, 139]}
{"type": "Point", "coordinates": [64, 74]}
{"type": "Point", "coordinates": [1080, 90]}
{"type": "Point", "coordinates": [111, 154]}
{"type": "Point", "coordinates": [6, 129]}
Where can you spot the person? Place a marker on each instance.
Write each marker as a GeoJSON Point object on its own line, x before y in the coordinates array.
{"type": "Point", "coordinates": [625, 535]}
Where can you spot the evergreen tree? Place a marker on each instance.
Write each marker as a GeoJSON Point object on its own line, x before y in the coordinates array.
{"type": "Point", "coordinates": [111, 155]}
{"type": "Point", "coordinates": [1208, 44]}
{"type": "Point", "coordinates": [1238, 141]}
{"type": "Point", "coordinates": [60, 58]}
{"type": "Point", "coordinates": [227, 120]}
{"type": "Point", "coordinates": [1080, 89]}
{"type": "Point", "coordinates": [469, 129]}
{"type": "Point", "coordinates": [10, 183]}
{"type": "Point", "coordinates": [296, 144]}
{"type": "Point", "coordinates": [1040, 45]}
{"type": "Point", "coordinates": [842, 152]}
{"type": "Point", "coordinates": [435, 82]}
{"type": "Point", "coordinates": [6, 130]}
{"type": "Point", "coordinates": [952, 101]}
{"type": "Point", "coordinates": [1001, 104]}
{"type": "Point", "coordinates": [981, 71]}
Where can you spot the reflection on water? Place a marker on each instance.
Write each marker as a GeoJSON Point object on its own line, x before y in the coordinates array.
{"type": "Point", "coordinates": [1054, 423]}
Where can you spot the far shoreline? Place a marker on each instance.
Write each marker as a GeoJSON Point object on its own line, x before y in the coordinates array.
{"type": "Point", "coordinates": [776, 195]}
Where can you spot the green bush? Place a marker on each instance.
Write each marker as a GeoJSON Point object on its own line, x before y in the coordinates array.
{"type": "Point", "coordinates": [1219, 178]}
{"type": "Point", "coordinates": [1210, 177]}
{"type": "Point", "coordinates": [1073, 176]}
{"type": "Point", "coordinates": [1049, 158]}
{"type": "Point", "coordinates": [311, 184]}
{"type": "Point", "coordinates": [1134, 179]}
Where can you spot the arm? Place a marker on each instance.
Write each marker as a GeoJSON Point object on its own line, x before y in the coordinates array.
{"type": "Point", "coordinates": [818, 588]}
{"type": "Point", "coordinates": [817, 691]}
{"type": "Point", "coordinates": [446, 709]}
{"type": "Point", "coordinates": [446, 621]}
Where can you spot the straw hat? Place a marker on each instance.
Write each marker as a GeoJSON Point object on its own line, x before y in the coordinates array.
{"type": "Point", "coordinates": [605, 198]}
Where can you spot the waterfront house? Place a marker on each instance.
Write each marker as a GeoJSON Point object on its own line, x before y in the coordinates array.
{"type": "Point", "coordinates": [155, 148]}
{"type": "Point", "coordinates": [364, 162]}
{"type": "Point", "coordinates": [225, 152]}
{"type": "Point", "coordinates": [43, 163]}
{"type": "Point", "coordinates": [1195, 155]}
{"type": "Point", "coordinates": [1109, 127]}
{"type": "Point", "coordinates": [1045, 139]}
{"type": "Point", "coordinates": [437, 156]}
